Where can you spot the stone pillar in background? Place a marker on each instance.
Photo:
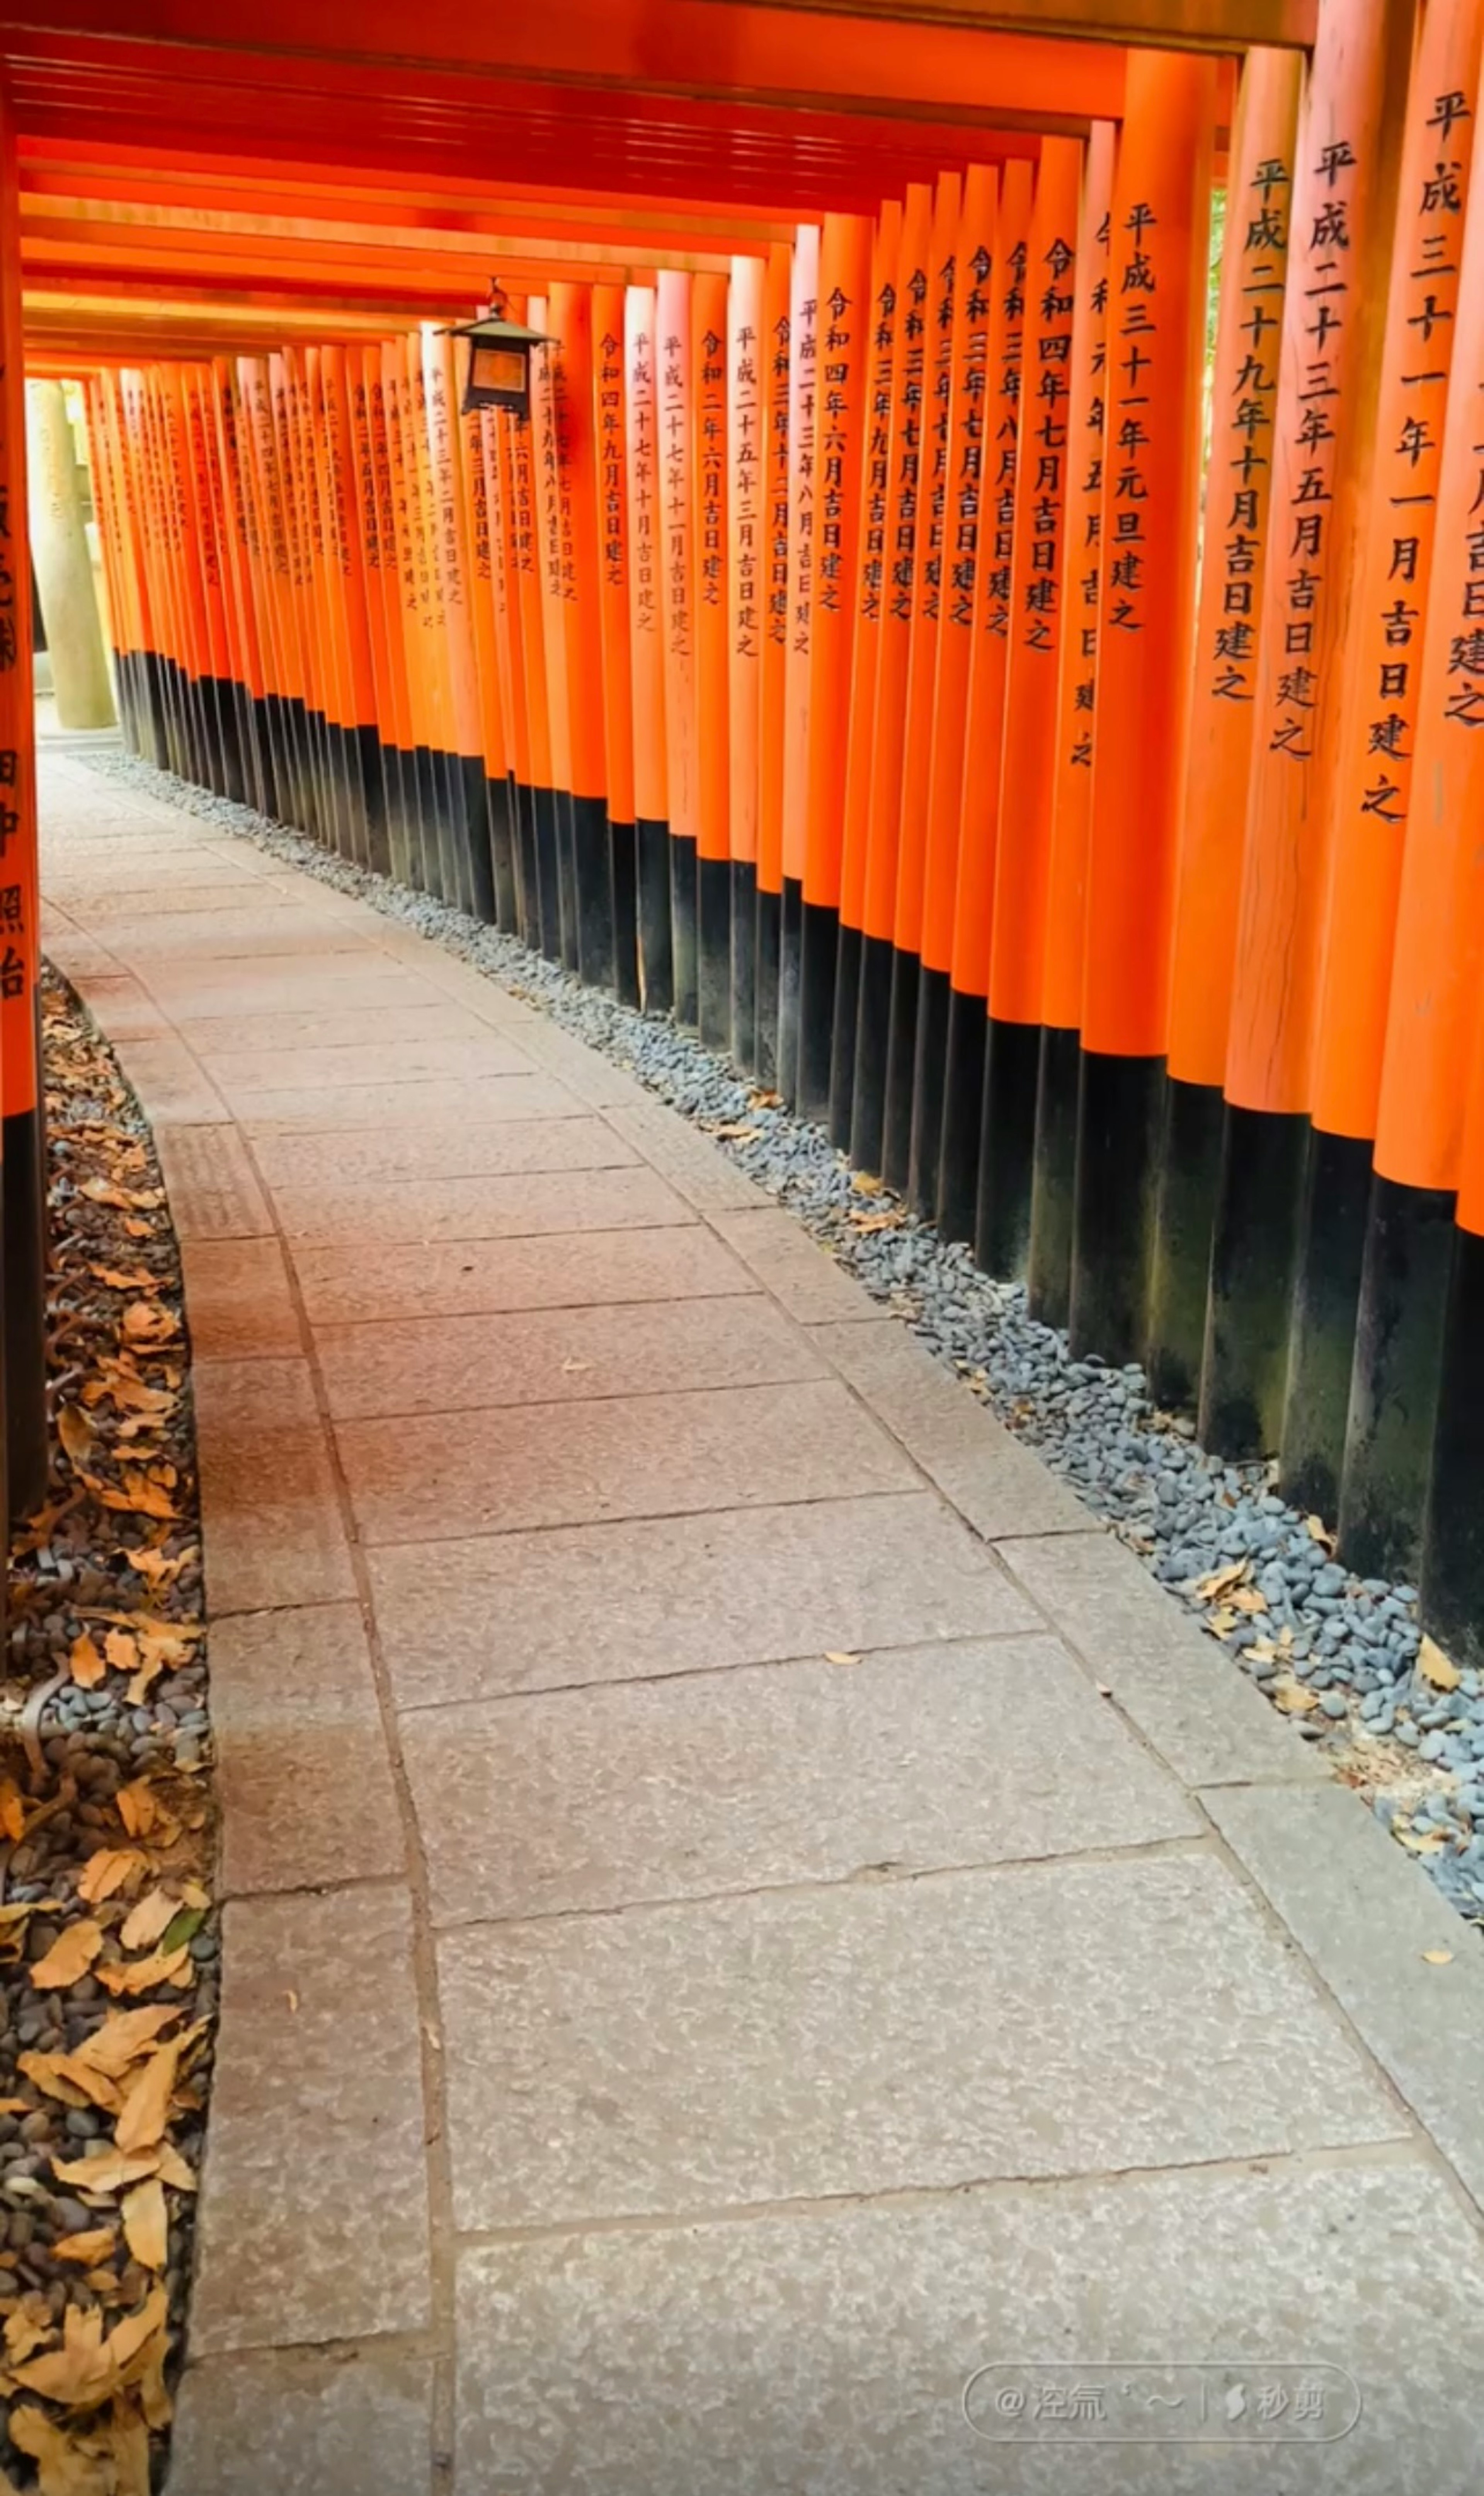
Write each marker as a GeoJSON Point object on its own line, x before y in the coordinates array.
{"type": "Point", "coordinates": [64, 571]}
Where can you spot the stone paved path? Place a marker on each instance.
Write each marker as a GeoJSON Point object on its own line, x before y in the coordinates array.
{"type": "Point", "coordinates": [746, 1908]}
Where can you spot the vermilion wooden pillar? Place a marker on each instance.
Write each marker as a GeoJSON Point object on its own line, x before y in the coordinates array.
{"type": "Point", "coordinates": [23, 1147]}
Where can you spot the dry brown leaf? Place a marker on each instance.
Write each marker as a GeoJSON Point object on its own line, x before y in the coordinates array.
{"type": "Point", "coordinates": [139, 1975]}
{"type": "Point", "coordinates": [764, 1100]}
{"type": "Point", "coordinates": [124, 2038]}
{"type": "Point", "coordinates": [93, 2087]}
{"type": "Point", "coordinates": [148, 1921]}
{"type": "Point", "coordinates": [138, 1807]}
{"type": "Point", "coordinates": [875, 1221]}
{"type": "Point", "coordinates": [134, 1229]}
{"type": "Point", "coordinates": [70, 1957]}
{"type": "Point", "coordinates": [146, 2224]}
{"type": "Point", "coordinates": [1438, 1958]}
{"type": "Point", "coordinates": [90, 2248]}
{"type": "Point", "coordinates": [1421, 1841]}
{"type": "Point", "coordinates": [1223, 1620]}
{"type": "Point", "coordinates": [1248, 1599]}
{"type": "Point", "coordinates": [127, 2338]}
{"type": "Point", "coordinates": [154, 1566]}
{"type": "Point", "coordinates": [85, 1663]}
{"type": "Point", "coordinates": [1220, 1581]}
{"type": "Point", "coordinates": [128, 2438]}
{"type": "Point", "coordinates": [1435, 1667]}
{"type": "Point", "coordinates": [736, 1133]}
{"type": "Point", "coordinates": [147, 2106]}
{"type": "Point", "coordinates": [63, 2466]}
{"type": "Point", "coordinates": [79, 2375]}
{"type": "Point", "coordinates": [1318, 1532]}
{"type": "Point", "coordinates": [108, 1870]}
{"type": "Point", "coordinates": [143, 1322]}
{"type": "Point", "coordinates": [123, 1279]}
{"type": "Point", "coordinates": [839, 1655]}
{"type": "Point", "coordinates": [30, 2326]}
{"type": "Point", "coordinates": [173, 2169]}
{"type": "Point", "coordinates": [865, 1183]}
{"type": "Point", "coordinates": [12, 1810]}
{"type": "Point", "coordinates": [46, 2073]}
{"type": "Point", "coordinates": [1292, 1697]}
{"type": "Point", "coordinates": [121, 1650]}
{"type": "Point", "coordinates": [106, 2171]}
{"type": "Point", "coordinates": [76, 1433]}
{"type": "Point", "coordinates": [153, 1664]}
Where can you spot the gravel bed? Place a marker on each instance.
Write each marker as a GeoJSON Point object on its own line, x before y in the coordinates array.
{"type": "Point", "coordinates": [109, 1945]}
{"type": "Point", "coordinates": [1341, 1656]}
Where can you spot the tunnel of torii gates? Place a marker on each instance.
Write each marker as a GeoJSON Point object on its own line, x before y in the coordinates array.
{"type": "Point", "coordinates": [1011, 678]}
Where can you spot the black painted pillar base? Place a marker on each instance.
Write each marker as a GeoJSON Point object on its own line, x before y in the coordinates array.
{"type": "Point", "coordinates": [623, 868]}
{"type": "Point", "coordinates": [1120, 1114]}
{"type": "Point", "coordinates": [454, 830]}
{"type": "Point", "coordinates": [1054, 1178]}
{"type": "Point", "coordinates": [24, 1270]}
{"type": "Point", "coordinates": [1452, 1581]}
{"type": "Point", "coordinates": [1250, 1311]}
{"type": "Point", "coordinates": [548, 907]}
{"type": "Point", "coordinates": [683, 932]}
{"type": "Point", "coordinates": [479, 853]}
{"type": "Point", "coordinates": [375, 825]}
{"type": "Point", "coordinates": [818, 958]}
{"type": "Point", "coordinates": [963, 1112]}
{"type": "Point", "coordinates": [424, 852]}
{"type": "Point", "coordinates": [1189, 1181]}
{"type": "Point", "coordinates": [1336, 1208]}
{"type": "Point", "coordinates": [156, 713]}
{"type": "Point", "coordinates": [231, 768]}
{"type": "Point", "coordinates": [1393, 1386]}
{"type": "Point", "coordinates": [657, 950]}
{"type": "Point", "coordinates": [873, 1040]}
{"type": "Point", "coordinates": [930, 1060]}
{"type": "Point", "coordinates": [1001, 1232]}
{"type": "Point", "coordinates": [842, 1046]}
{"type": "Point", "coordinates": [400, 769]}
{"type": "Point", "coordinates": [744, 964]}
{"type": "Point", "coordinates": [265, 746]}
{"type": "Point", "coordinates": [356, 797]}
{"type": "Point", "coordinates": [500, 810]}
{"type": "Point", "coordinates": [770, 937]}
{"type": "Point", "coordinates": [901, 1059]}
{"type": "Point", "coordinates": [593, 882]}
{"type": "Point", "coordinates": [713, 951]}
{"type": "Point", "coordinates": [791, 961]}
{"type": "Point", "coordinates": [527, 874]}
{"type": "Point", "coordinates": [567, 881]}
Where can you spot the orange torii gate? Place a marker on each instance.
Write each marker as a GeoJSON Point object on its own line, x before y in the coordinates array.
{"type": "Point", "coordinates": [864, 651]}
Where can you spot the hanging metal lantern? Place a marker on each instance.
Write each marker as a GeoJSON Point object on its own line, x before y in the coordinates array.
{"type": "Point", "coordinates": [497, 372]}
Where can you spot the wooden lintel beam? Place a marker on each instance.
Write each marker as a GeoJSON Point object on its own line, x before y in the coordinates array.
{"type": "Point", "coordinates": [1169, 25]}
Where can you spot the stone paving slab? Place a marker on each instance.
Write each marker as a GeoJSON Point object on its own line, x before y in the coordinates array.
{"type": "Point", "coordinates": [125, 1010]}
{"type": "Point", "coordinates": [1045, 2020]}
{"type": "Point", "coordinates": [239, 1302]}
{"type": "Point", "coordinates": [272, 1529]}
{"type": "Point", "coordinates": [698, 1169]}
{"type": "Point", "coordinates": [812, 1287]}
{"type": "Point", "coordinates": [353, 2422]}
{"type": "Point", "coordinates": [314, 2212]}
{"type": "Point", "coordinates": [1170, 1678]}
{"type": "Point", "coordinates": [244, 1075]}
{"type": "Point", "coordinates": [363, 1157]}
{"type": "Point", "coordinates": [559, 1357]}
{"type": "Point", "coordinates": [276, 930]}
{"type": "Point", "coordinates": [452, 1278]}
{"type": "Point", "coordinates": [212, 1186]}
{"type": "Point", "coordinates": [309, 1109]}
{"type": "Point", "coordinates": [414, 1481]}
{"type": "Point", "coordinates": [1393, 1953]}
{"type": "Point", "coordinates": [504, 1205]}
{"type": "Point", "coordinates": [305, 1781]}
{"type": "Point", "coordinates": [831, 2349]}
{"type": "Point", "coordinates": [426, 1017]}
{"type": "Point", "coordinates": [683, 1594]}
{"type": "Point", "coordinates": [190, 990]}
{"type": "Point", "coordinates": [173, 1087]}
{"type": "Point", "coordinates": [999, 1485]}
{"type": "Point", "coordinates": [195, 890]}
{"type": "Point", "coordinates": [771, 1774]}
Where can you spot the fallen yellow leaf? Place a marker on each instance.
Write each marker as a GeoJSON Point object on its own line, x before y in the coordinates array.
{"type": "Point", "coordinates": [76, 1433]}
{"type": "Point", "coordinates": [106, 2171]}
{"type": "Point", "coordinates": [146, 2104]}
{"type": "Point", "coordinates": [1435, 1667]}
{"type": "Point", "coordinates": [92, 2247]}
{"type": "Point", "coordinates": [1220, 1581]}
{"type": "Point", "coordinates": [30, 2326]}
{"type": "Point", "coordinates": [1438, 1958]}
{"type": "Point", "coordinates": [45, 2072]}
{"type": "Point", "coordinates": [146, 2224]}
{"type": "Point", "coordinates": [125, 2036]}
{"type": "Point", "coordinates": [69, 1956]}
{"type": "Point", "coordinates": [139, 1975]}
{"type": "Point", "coordinates": [108, 1870]}
{"type": "Point", "coordinates": [1292, 1697]}
{"type": "Point", "coordinates": [12, 1810]}
{"type": "Point", "coordinates": [839, 1655]}
{"type": "Point", "coordinates": [65, 2469]}
{"type": "Point", "coordinates": [148, 1921]}
{"type": "Point", "coordinates": [85, 1663]}
{"type": "Point", "coordinates": [121, 1650]}
{"type": "Point", "coordinates": [137, 1807]}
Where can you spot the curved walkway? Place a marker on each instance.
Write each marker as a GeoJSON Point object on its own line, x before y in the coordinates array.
{"type": "Point", "coordinates": [746, 1909]}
